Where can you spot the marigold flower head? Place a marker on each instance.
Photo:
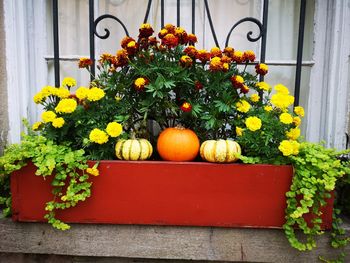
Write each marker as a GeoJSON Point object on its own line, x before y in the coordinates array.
{"type": "Point", "coordinates": [299, 111]}
{"type": "Point", "coordinates": [170, 40]}
{"type": "Point", "coordinates": [225, 66]}
{"type": "Point", "coordinates": [296, 121]}
{"type": "Point", "coordinates": [228, 51]}
{"type": "Point", "coordinates": [225, 59]}
{"type": "Point", "coordinates": [243, 106]}
{"type": "Point", "coordinates": [239, 131]}
{"type": "Point", "coordinates": [255, 97]}
{"type": "Point", "coordinates": [293, 133]}
{"type": "Point", "coordinates": [190, 51]}
{"type": "Point", "coordinates": [198, 85]}
{"type": "Point", "coordinates": [282, 101]}
{"type": "Point", "coordinates": [98, 136]}
{"type": "Point", "coordinates": [215, 64]}
{"type": "Point", "coordinates": [85, 62]}
{"type": "Point", "coordinates": [131, 48]}
{"type": "Point", "coordinates": [95, 94]}
{"type": "Point", "coordinates": [48, 116]}
{"type": "Point", "coordinates": [125, 41]}
{"type": "Point", "coordinates": [261, 69]}
{"type": "Point", "coordinates": [69, 82]}
{"type": "Point", "coordinates": [253, 123]}
{"type": "Point", "coordinates": [122, 58]}
{"type": "Point", "coordinates": [245, 89]}
{"type": "Point", "coordinates": [186, 106]}
{"type": "Point", "coordinates": [281, 89]}
{"type": "Point", "coordinates": [106, 57]}
{"type": "Point", "coordinates": [181, 34]}
{"type": "Point", "coordinates": [192, 39]}
{"type": "Point", "coordinates": [152, 41]}
{"type": "Point", "coordinates": [263, 86]}
{"type": "Point", "coordinates": [93, 171]}
{"type": "Point", "coordinates": [62, 93]}
{"type": "Point", "coordinates": [162, 33]}
{"type": "Point", "coordinates": [37, 125]}
{"type": "Point", "coordinates": [268, 108]}
{"type": "Point", "coordinates": [237, 81]}
{"type": "Point", "coordinates": [215, 52]}
{"type": "Point", "coordinates": [238, 56]}
{"type": "Point", "coordinates": [48, 91]}
{"type": "Point", "coordinates": [114, 129]}
{"type": "Point", "coordinates": [82, 93]}
{"type": "Point", "coordinates": [58, 122]}
{"type": "Point", "coordinates": [249, 55]}
{"type": "Point", "coordinates": [286, 118]}
{"type": "Point", "coordinates": [66, 106]}
{"type": "Point", "coordinates": [289, 147]}
{"type": "Point", "coordinates": [140, 83]}
{"type": "Point", "coordinates": [170, 28]}
{"type": "Point", "coordinates": [186, 61]}
{"type": "Point", "coordinates": [202, 55]}
{"type": "Point", "coordinates": [39, 98]}
{"type": "Point", "coordinates": [145, 31]}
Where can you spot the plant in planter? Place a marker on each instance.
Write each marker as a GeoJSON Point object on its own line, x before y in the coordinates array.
{"type": "Point", "coordinates": [215, 96]}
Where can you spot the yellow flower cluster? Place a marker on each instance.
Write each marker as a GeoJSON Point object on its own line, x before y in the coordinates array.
{"type": "Point", "coordinates": [263, 86]}
{"type": "Point", "coordinates": [82, 93]}
{"type": "Point", "coordinates": [66, 106]}
{"type": "Point", "coordinates": [268, 108]}
{"type": "Point", "coordinates": [50, 91]}
{"type": "Point", "coordinates": [48, 116]}
{"type": "Point", "coordinates": [296, 121]}
{"type": "Point", "coordinates": [93, 171]}
{"type": "Point", "coordinates": [95, 94]}
{"type": "Point", "coordinates": [286, 118]}
{"type": "Point", "coordinates": [36, 126]}
{"type": "Point", "coordinates": [289, 147]}
{"type": "Point", "coordinates": [253, 123]}
{"type": "Point", "coordinates": [282, 99]}
{"type": "Point", "coordinates": [293, 133]}
{"type": "Point", "coordinates": [114, 129]}
{"type": "Point", "coordinates": [239, 131]}
{"type": "Point", "coordinates": [255, 97]}
{"type": "Point", "coordinates": [243, 106]}
{"type": "Point", "coordinates": [299, 111]}
{"type": "Point", "coordinates": [69, 82]}
{"type": "Point", "coordinates": [58, 122]}
{"type": "Point", "coordinates": [98, 136]}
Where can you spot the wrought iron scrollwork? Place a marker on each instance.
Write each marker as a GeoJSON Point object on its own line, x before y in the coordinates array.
{"type": "Point", "coordinates": [250, 33]}
{"type": "Point", "coordinates": [107, 34]}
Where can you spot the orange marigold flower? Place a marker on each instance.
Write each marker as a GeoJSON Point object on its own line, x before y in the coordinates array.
{"type": "Point", "coordinates": [249, 55]}
{"type": "Point", "coordinates": [191, 51]}
{"type": "Point", "coordinates": [198, 85]}
{"type": "Point", "coordinates": [228, 51]}
{"type": "Point", "coordinates": [192, 38]}
{"type": "Point", "coordinates": [238, 56]}
{"type": "Point", "coordinates": [132, 47]}
{"type": "Point", "coordinates": [215, 52]}
{"type": "Point", "coordinates": [181, 35]}
{"type": "Point", "coordinates": [226, 59]}
{"type": "Point", "coordinates": [122, 58]}
{"type": "Point", "coordinates": [237, 81]}
{"type": "Point", "coordinates": [152, 41]}
{"type": "Point", "coordinates": [215, 64]}
{"type": "Point", "coordinates": [85, 62]}
{"type": "Point", "coordinates": [162, 33]}
{"type": "Point", "coordinates": [186, 106]}
{"type": "Point", "coordinates": [186, 61]}
{"type": "Point", "coordinates": [245, 89]}
{"type": "Point", "coordinates": [170, 41]}
{"type": "Point", "coordinates": [125, 41]}
{"type": "Point", "coordinates": [140, 83]}
{"type": "Point", "coordinates": [170, 28]}
{"type": "Point", "coordinates": [203, 55]}
{"type": "Point", "coordinates": [225, 67]}
{"type": "Point", "coordinates": [261, 69]}
{"type": "Point", "coordinates": [145, 31]}
{"type": "Point", "coordinates": [107, 58]}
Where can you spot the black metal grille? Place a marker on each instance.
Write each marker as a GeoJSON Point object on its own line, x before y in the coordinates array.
{"type": "Point", "coordinates": [262, 25]}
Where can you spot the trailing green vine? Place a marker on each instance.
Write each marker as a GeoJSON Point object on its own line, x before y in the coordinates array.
{"type": "Point", "coordinates": [67, 167]}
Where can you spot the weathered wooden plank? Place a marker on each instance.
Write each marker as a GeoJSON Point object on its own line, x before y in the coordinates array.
{"type": "Point", "coordinates": [156, 242]}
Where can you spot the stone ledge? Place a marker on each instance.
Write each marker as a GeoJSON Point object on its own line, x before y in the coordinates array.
{"type": "Point", "coordinates": [157, 242]}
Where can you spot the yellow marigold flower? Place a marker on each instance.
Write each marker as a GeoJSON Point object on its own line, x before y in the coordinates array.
{"type": "Point", "coordinates": [243, 106]}
{"type": "Point", "coordinates": [95, 94]}
{"type": "Point", "coordinates": [114, 129]}
{"type": "Point", "coordinates": [238, 56]}
{"type": "Point", "coordinates": [282, 101]}
{"type": "Point", "coordinates": [66, 106]}
{"type": "Point", "coordinates": [296, 121]}
{"type": "Point", "coordinates": [48, 91]}
{"type": "Point", "coordinates": [93, 171]}
{"type": "Point", "coordinates": [268, 108]}
{"type": "Point", "coordinates": [263, 86]}
{"type": "Point", "coordinates": [98, 136]}
{"type": "Point", "coordinates": [286, 147]}
{"type": "Point", "coordinates": [281, 89]}
{"type": "Point", "coordinates": [296, 147]}
{"type": "Point", "coordinates": [293, 133]}
{"type": "Point", "coordinates": [62, 93]}
{"type": "Point", "coordinates": [58, 122]}
{"type": "Point", "coordinates": [215, 64]}
{"type": "Point", "coordinates": [48, 116]}
{"type": "Point", "coordinates": [82, 93]}
{"type": "Point", "coordinates": [225, 66]}
{"type": "Point", "coordinates": [299, 111]}
{"type": "Point", "coordinates": [36, 126]}
{"type": "Point", "coordinates": [286, 118]}
{"type": "Point", "coordinates": [39, 97]}
{"type": "Point", "coordinates": [239, 131]}
{"type": "Point", "coordinates": [253, 123]}
{"type": "Point", "coordinates": [69, 81]}
{"type": "Point", "coordinates": [255, 97]}
{"type": "Point", "coordinates": [261, 69]}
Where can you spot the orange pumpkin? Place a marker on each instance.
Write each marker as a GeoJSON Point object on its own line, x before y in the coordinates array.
{"type": "Point", "coordinates": [178, 144]}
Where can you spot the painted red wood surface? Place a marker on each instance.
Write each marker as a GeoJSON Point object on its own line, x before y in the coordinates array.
{"type": "Point", "coordinates": [168, 193]}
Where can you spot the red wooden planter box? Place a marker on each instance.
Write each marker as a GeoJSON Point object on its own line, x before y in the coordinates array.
{"type": "Point", "coordinates": [168, 193]}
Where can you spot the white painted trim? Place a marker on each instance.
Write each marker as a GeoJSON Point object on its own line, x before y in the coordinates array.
{"type": "Point", "coordinates": [25, 64]}
{"type": "Point", "coordinates": [329, 81]}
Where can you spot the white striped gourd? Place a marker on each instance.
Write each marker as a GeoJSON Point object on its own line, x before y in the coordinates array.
{"type": "Point", "coordinates": [133, 149]}
{"type": "Point", "coordinates": [220, 151]}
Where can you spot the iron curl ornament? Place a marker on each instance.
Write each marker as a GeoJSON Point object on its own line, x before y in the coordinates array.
{"type": "Point", "coordinates": [107, 32]}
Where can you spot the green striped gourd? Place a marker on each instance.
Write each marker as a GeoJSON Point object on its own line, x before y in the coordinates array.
{"type": "Point", "coordinates": [220, 151]}
{"type": "Point", "coordinates": [133, 149]}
